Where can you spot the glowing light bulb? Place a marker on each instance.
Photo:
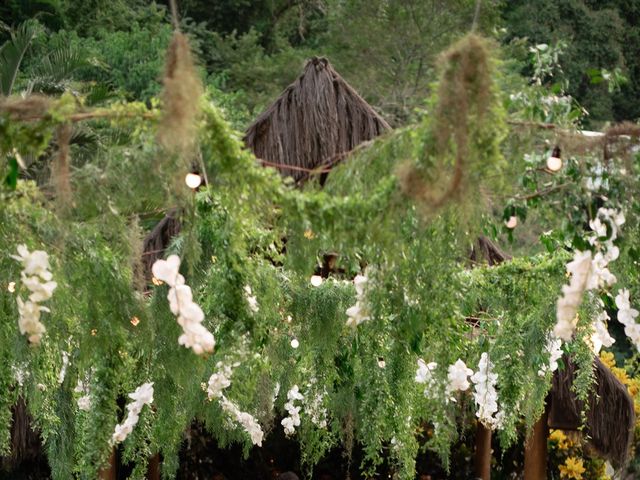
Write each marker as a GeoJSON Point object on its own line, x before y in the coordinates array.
{"type": "Point", "coordinates": [554, 163]}
{"type": "Point", "coordinates": [193, 180]}
{"type": "Point", "coordinates": [316, 280]}
{"type": "Point", "coordinates": [512, 222]}
{"type": "Point", "coordinates": [295, 343]}
{"type": "Point", "coordinates": [381, 362]}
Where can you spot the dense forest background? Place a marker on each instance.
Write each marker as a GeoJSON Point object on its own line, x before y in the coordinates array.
{"type": "Point", "coordinates": [250, 50]}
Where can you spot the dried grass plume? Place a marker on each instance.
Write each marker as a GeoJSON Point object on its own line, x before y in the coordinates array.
{"type": "Point", "coordinates": [464, 98]}
{"type": "Point", "coordinates": [31, 107]}
{"type": "Point", "coordinates": [60, 170]}
{"type": "Point", "coordinates": [181, 94]}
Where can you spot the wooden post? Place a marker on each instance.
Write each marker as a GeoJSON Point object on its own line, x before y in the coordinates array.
{"type": "Point", "coordinates": [535, 452]}
{"type": "Point", "coordinates": [483, 452]}
{"type": "Point", "coordinates": [109, 472]}
{"type": "Point", "coordinates": [153, 471]}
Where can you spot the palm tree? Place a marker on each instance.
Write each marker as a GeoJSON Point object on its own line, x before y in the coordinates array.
{"type": "Point", "coordinates": [12, 52]}
{"type": "Point", "coordinates": [54, 70]}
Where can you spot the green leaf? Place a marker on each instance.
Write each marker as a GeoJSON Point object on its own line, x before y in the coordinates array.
{"type": "Point", "coordinates": [595, 76]}
{"type": "Point", "coordinates": [11, 180]}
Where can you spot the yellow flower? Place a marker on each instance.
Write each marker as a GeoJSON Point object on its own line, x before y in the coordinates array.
{"type": "Point", "coordinates": [308, 234]}
{"type": "Point", "coordinates": [632, 384]}
{"type": "Point", "coordinates": [572, 468]}
{"type": "Point", "coordinates": [608, 359]}
{"type": "Point", "coordinates": [558, 436]}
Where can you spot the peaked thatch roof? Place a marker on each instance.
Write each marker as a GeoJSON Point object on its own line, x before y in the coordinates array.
{"type": "Point", "coordinates": [484, 250]}
{"type": "Point", "coordinates": [317, 118]}
{"type": "Point", "coordinates": [610, 415]}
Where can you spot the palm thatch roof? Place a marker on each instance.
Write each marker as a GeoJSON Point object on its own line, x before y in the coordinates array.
{"type": "Point", "coordinates": [484, 250]}
{"type": "Point", "coordinates": [26, 442]}
{"type": "Point", "coordinates": [157, 240]}
{"type": "Point", "coordinates": [317, 119]}
{"type": "Point", "coordinates": [610, 417]}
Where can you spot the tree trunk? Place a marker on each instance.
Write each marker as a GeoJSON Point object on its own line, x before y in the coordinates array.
{"type": "Point", "coordinates": [535, 453]}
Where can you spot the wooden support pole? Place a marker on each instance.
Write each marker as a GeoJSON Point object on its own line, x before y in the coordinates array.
{"type": "Point", "coordinates": [109, 472]}
{"type": "Point", "coordinates": [153, 471]}
{"type": "Point", "coordinates": [483, 452]}
{"type": "Point", "coordinates": [535, 452]}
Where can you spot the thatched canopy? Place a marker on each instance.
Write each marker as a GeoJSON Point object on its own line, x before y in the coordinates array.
{"type": "Point", "coordinates": [26, 443]}
{"type": "Point", "coordinates": [315, 120]}
{"type": "Point", "coordinates": [610, 415]}
{"type": "Point", "coordinates": [157, 240]}
{"type": "Point", "coordinates": [484, 250]}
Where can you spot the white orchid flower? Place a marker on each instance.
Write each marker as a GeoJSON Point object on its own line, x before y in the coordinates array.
{"type": "Point", "coordinates": [167, 270]}
{"type": "Point", "coordinates": [179, 297]}
{"type": "Point", "coordinates": [33, 263]}
{"type": "Point", "coordinates": [457, 375]}
{"type": "Point", "coordinates": [143, 394]}
{"type": "Point", "coordinates": [39, 291]}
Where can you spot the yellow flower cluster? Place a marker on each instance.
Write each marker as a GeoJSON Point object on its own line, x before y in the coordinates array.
{"type": "Point", "coordinates": [568, 449]}
{"type": "Point", "coordinates": [558, 437]}
{"type": "Point", "coordinates": [632, 384]}
{"type": "Point", "coordinates": [573, 468]}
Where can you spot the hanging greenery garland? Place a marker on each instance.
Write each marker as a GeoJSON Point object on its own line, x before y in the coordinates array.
{"type": "Point", "coordinates": [402, 337]}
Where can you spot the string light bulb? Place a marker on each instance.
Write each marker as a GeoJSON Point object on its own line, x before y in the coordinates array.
{"type": "Point", "coordinates": [554, 162]}
{"type": "Point", "coordinates": [512, 222]}
{"type": "Point", "coordinates": [295, 343]}
{"type": "Point", "coordinates": [193, 180]}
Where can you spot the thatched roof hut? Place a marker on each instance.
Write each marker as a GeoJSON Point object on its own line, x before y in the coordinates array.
{"type": "Point", "coordinates": [316, 120]}
{"type": "Point", "coordinates": [484, 250]}
{"type": "Point", "coordinates": [157, 240]}
{"type": "Point", "coordinates": [610, 417]}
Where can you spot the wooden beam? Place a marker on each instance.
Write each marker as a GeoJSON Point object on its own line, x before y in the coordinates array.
{"type": "Point", "coordinates": [535, 452]}
{"type": "Point", "coordinates": [483, 452]}
{"type": "Point", "coordinates": [109, 472]}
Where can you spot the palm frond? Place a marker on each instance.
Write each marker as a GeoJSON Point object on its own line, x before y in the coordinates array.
{"type": "Point", "coordinates": [61, 63]}
{"type": "Point", "coordinates": [12, 52]}
{"type": "Point", "coordinates": [98, 94]}
{"type": "Point", "coordinates": [55, 71]}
